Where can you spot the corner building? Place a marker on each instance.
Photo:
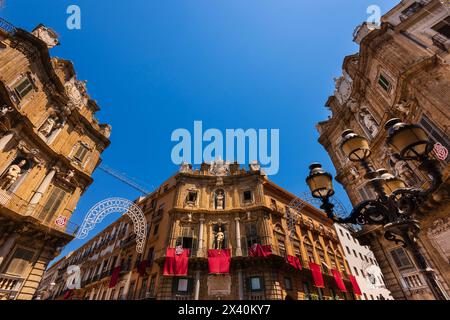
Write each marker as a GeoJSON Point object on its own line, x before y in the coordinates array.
{"type": "Point", "coordinates": [50, 143]}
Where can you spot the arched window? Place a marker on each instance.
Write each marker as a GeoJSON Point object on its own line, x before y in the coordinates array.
{"type": "Point", "coordinates": [340, 261]}
{"type": "Point", "coordinates": [321, 253]}
{"type": "Point", "coordinates": [332, 258]}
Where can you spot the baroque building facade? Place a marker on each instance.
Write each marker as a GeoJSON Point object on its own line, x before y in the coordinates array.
{"type": "Point", "coordinates": [50, 143]}
{"type": "Point", "coordinates": [219, 211]}
{"type": "Point", "coordinates": [401, 71]}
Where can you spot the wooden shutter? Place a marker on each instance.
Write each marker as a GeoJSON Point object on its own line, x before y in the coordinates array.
{"type": "Point", "coordinates": [53, 202]}
{"type": "Point", "coordinates": [20, 261]}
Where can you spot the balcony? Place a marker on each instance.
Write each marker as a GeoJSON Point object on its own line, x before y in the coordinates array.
{"type": "Point", "coordinates": [16, 204]}
{"type": "Point", "coordinates": [440, 41]}
{"type": "Point", "coordinates": [7, 27]}
{"type": "Point", "coordinates": [9, 286]}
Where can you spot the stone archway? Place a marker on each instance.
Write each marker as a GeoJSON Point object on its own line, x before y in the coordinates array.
{"type": "Point", "coordinates": [116, 205]}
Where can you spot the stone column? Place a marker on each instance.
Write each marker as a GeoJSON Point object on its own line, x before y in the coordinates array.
{"type": "Point", "coordinates": [200, 237]}
{"type": "Point", "coordinates": [54, 134]}
{"type": "Point", "coordinates": [7, 246]}
{"type": "Point", "coordinates": [5, 140]}
{"type": "Point", "coordinates": [241, 285]}
{"type": "Point", "coordinates": [238, 237]}
{"type": "Point", "coordinates": [41, 190]}
{"type": "Point", "coordinates": [197, 285]}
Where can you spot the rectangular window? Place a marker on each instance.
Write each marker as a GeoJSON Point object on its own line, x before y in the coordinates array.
{"type": "Point", "coordinates": [401, 258]}
{"type": "Point", "coordinates": [81, 152]}
{"type": "Point", "coordinates": [384, 82]}
{"type": "Point", "coordinates": [20, 262]}
{"type": "Point", "coordinates": [183, 285]}
{"type": "Point", "coordinates": [24, 87]}
{"type": "Point", "coordinates": [247, 196]}
{"type": "Point", "coordinates": [255, 284]}
{"type": "Point", "coordinates": [52, 205]}
{"type": "Point", "coordinates": [151, 289]}
{"type": "Point", "coordinates": [443, 27]}
{"type": "Point", "coordinates": [288, 284]}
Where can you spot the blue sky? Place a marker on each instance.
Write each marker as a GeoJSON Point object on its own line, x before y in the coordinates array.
{"type": "Point", "coordinates": [155, 66]}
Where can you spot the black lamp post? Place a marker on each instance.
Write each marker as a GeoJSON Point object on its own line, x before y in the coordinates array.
{"type": "Point", "coordinates": [395, 206]}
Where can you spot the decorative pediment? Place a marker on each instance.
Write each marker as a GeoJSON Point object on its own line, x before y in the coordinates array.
{"type": "Point", "coordinates": [219, 168]}
{"type": "Point", "coordinates": [77, 93]}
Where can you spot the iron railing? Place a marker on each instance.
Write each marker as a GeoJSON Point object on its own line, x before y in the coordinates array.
{"type": "Point", "coordinates": [7, 27]}
{"type": "Point", "coordinates": [20, 206]}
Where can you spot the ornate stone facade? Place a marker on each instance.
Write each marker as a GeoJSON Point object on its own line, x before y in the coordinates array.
{"type": "Point", "coordinates": [223, 206]}
{"type": "Point", "coordinates": [402, 70]}
{"type": "Point", "coordinates": [50, 144]}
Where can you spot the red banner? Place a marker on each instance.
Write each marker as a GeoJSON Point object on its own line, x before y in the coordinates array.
{"type": "Point", "coordinates": [68, 294]}
{"type": "Point", "coordinates": [114, 277]}
{"type": "Point", "coordinates": [176, 263]}
{"type": "Point", "coordinates": [295, 262]}
{"type": "Point", "coordinates": [317, 275]}
{"type": "Point", "coordinates": [219, 261]}
{"type": "Point", "coordinates": [258, 250]}
{"type": "Point", "coordinates": [142, 268]}
{"type": "Point", "coordinates": [355, 285]}
{"type": "Point", "coordinates": [337, 277]}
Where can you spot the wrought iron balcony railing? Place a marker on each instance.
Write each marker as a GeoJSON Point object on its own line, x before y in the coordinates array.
{"type": "Point", "coordinates": [13, 202]}
{"type": "Point", "coordinates": [7, 27]}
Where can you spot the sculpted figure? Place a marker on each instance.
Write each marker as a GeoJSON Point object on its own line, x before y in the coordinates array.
{"type": "Point", "coordinates": [48, 126]}
{"type": "Point", "coordinates": [219, 239]}
{"type": "Point", "coordinates": [11, 175]}
{"type": "Point", "coordinates": [220, 200]}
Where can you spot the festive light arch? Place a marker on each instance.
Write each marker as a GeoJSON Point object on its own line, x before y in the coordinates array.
{"type": "Point", "coordinates": [116, 205]}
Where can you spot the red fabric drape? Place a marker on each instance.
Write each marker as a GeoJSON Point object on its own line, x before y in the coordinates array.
{"type": "Point", "coordinates": [142, 269]}
{"type": "Point", "coordinates": [337, 277]}
{"type": "Point", "coordinates": [295, 262]}
{"type": "Point", "coordinates": [317, 275]}
{"type": "Point", "coordinates": [114, 277]}
{"type": "Point", "coordinates": [355, 285]}
{"type": "Point", "coordinates": [176, 264]}
{"type": "Point", "coordinates": [68, 294]}
{"type": "Point", "coordinates": [219, 261]}
{"type": "Point", "coordinates": [258, 250]}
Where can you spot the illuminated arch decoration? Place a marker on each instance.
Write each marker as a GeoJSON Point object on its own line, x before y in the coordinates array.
{"type": "Point", "coordinates": [116, 205]}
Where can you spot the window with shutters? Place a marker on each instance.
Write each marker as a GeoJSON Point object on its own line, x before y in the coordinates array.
{"type": "Point", "coordinates": [52, 205]}
{"type": "Point", "coordinates": [20, 262]}
{"type": "Point", "coordinates": [309, 249]}
{"type": "Point", "coordinates": [384, 82]}
{"type": "Point", "coordinates": [281, 244]}
{"type": "Point", "coordinates": [81, 153]}
{"type": "Point", "coordinates": [401, 259]}
{"type": "Point", "coordinates": [24, 87]}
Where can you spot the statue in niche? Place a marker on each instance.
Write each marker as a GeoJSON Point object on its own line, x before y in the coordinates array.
{"type": "Point", "coordinates": [4, 110]}
{"type": "Point", "coordinates": [70, 175]}
{"type": "Point", "coordinates": [48, 126]}
{"type": "Point", "coordinates": [220, 237]}
{"type": "Point", "coordinates": [12, 174]}
{"type": "Point", "coordinates": [369, 122]}
{"type": "Point", "coordinates": [220, 200]}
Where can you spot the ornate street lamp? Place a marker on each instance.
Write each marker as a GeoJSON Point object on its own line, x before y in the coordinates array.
{"type": "Point", "coordinates": [395, 205]}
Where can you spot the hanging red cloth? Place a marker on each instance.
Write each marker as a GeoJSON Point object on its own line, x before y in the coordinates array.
{"type": "Point", "coordinates": [317, 275]}
{"type": "Point", "coordinates": [355, 285]}
{"type": "Point", "coordinates": [337, 277]}
{"type": "Point", "coordinates": [68, 294]}
{"type": "Point", "coordinates": [142, 269]}
{"type": "Point", "coordinates": [219, 261]}
{"type": "Point", "coordinates": [114, 277]}
{"type": "Point", "coordinates": [295, 262]}
{"type": "Point", "coordinates": [177, 260]}
{"type": "Point", "coordinates": [258, 250]}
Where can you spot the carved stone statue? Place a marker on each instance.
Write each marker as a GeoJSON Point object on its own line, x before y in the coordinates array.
{"type": "Point", "coordinates": [343, 88]}
{"type": "Point", "coordinates": [48, 126]}
{"type": "Point", "coordinates": [220, 236]}
{"type": "Point", "coordinates": [220, 200]}
{"type": "Point", "coordinates": [354, 173]}
{"type": "Point", "coordinates": [255, 166]}
{"type": "Point", "coordinates": [219, 168]}
{"type": "Point", "coordinates": [11, 175]}
{"type": "Point", "coordinates": [369, 122]}
{"type": "Point", "coordinates": [70, 175]}
{"type": "Point", "coordinates": [185, 167]}
{"type": "Point", "coordinates": [4, 110]}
